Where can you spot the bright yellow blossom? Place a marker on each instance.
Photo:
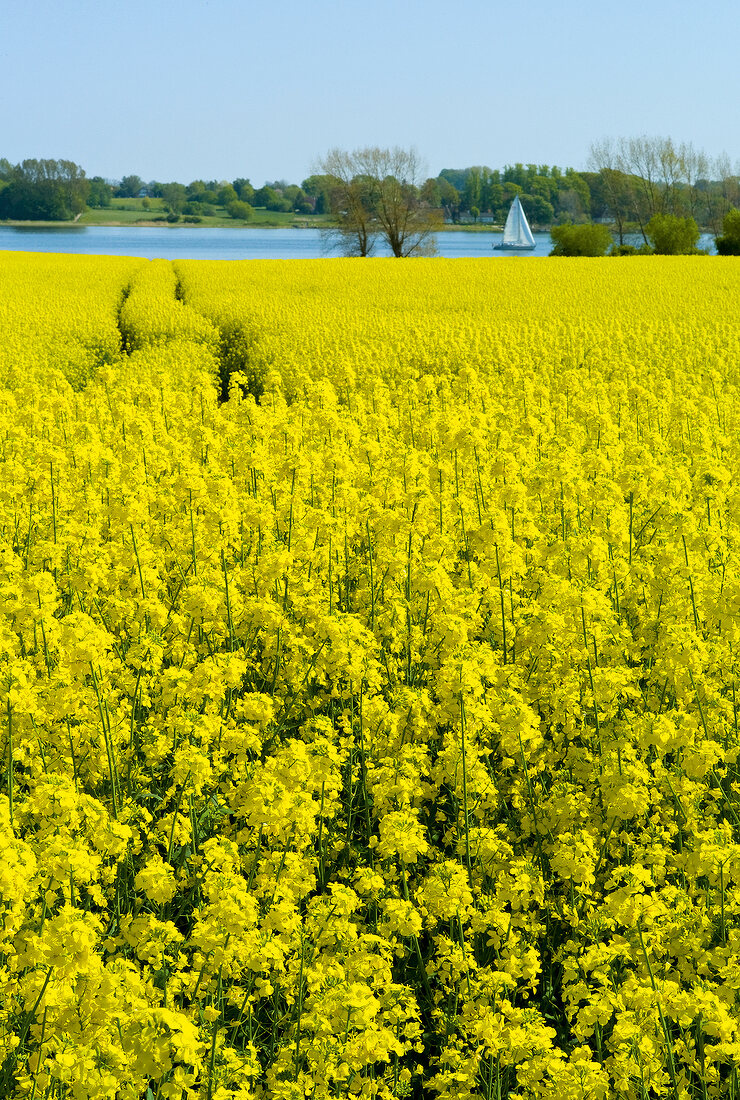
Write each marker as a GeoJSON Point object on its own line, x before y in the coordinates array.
{"type": "Point", "coordinates": [369, 679]}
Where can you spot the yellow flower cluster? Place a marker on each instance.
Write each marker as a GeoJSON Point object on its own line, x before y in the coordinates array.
{"type": "Point", "coordinates": [368, 656]}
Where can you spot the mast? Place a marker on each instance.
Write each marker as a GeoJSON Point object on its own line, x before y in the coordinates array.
{"type": "Point", "coordinates": [517, 233]}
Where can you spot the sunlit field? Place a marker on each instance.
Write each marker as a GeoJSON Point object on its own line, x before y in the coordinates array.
{"type": "Point", "coordinates": [369, 679]}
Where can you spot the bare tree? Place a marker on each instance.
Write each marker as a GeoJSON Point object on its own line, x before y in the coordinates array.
{"type": "Point", "coordinates": [603, 158]}
{"type": "Point", "coordinates": [672, 175]}
{"type": "Point", "coordinates": [377, 193]}
{"type": "Point", "coordinates": [639, 159]}
{"type": "Point", "coordinates": [696, 171]}
{"type": "Point", "coordinates": [655, 175]}
{"type": "Point", "coordinates": [351, 201]}
{"type": "Point", "coordinates": [407, 222]}
{"type": "Point", "coordinates": [728, 191]}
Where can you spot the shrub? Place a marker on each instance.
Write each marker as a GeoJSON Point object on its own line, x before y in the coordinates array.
{"type": "Point", "coordinates": [590, 239]}
{"type": "Point", "coordinates": [242, 211]}
{"type": "Point", "coordinates": [673, 236]}
{"type": "Point", "coordinates": [630, 250]}
{"type": "Point", "coordinates": [729, 243]}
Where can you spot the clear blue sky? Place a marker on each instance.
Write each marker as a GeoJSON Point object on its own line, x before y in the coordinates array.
{"type": "Point", "coordinates": [182, 89]}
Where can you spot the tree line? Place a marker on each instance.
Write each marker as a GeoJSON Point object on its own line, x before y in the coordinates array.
{"type": "Point", "coordinates": [634, 179]}
{"type": "Point", "coordinates": [51, 190]}
{"type": "Point", "coordinates": [42, 190]}
{"type": "Point", "coordinates": [59, 190]}
{"type": "Point", "coordinates": [646, 187]}
{"type": "Point", "coordinates": [373, 194]}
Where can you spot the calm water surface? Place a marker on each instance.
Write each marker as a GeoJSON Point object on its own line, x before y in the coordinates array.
{"type": "Point", "coordinates": [182, 243]}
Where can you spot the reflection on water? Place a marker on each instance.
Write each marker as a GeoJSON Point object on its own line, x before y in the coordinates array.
{"type": "Point", "coordinates": [43, 229]}
{"type": "Point", "coordinates": [182, 243]}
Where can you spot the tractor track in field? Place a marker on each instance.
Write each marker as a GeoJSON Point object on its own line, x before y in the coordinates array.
{"type": "Point", "coordinates": [231, 347]}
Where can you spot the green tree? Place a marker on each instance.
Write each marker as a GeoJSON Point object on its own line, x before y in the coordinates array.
{"type": "Point", "coordinates": [195, 191]}
{"type": "Point", "coordinates": [589, 239]}
{"type": "Point", "coordinates": [174, 197]}
{"type": "Point", "coordinates": [449, 198]}
{"type": "Point", "coordinates": [264, 196]}
{"type": "Point", "coordinates": [570, 206]}
{"type": "Point", "coordinates": [473, 190]}
{"type": "Point", "coordinates": [497, 201]}
{"type": "Point", "coordinates": [455, 176]}
{"type": "Point", "coordinates": [244, 189]}
{"type": "Point", "coordinates": [597, 195]}
{"type": "Point", "coordinates": [291, 192]}
{"type": "Point", "coordinates": [538, 210]}
{"type": "Point", "coordinates": [431, 192]}
{"type": "Point", "coordinates": [130, 186]}
{"type": "Point", "coordinates": [569, 195]}
{"type": "Point", "coordinates": [101, 193]}
{"type": "Point", "coordinates": [671, 235]}
{"type": "Point", "coordinates": [227, 194]}
{"type": "Point", "coordinates": [275, 196]}
{"type": "Point", "coordinates": [240, 211]}
{"type": "Point", "coordinates": [318, 189]}
{"type": "Point", "coordinates": [302, 204]}
{"type": "Point", "coordinates": [44, 190]}
{"type": "Point", "coordinates": [728, 244]}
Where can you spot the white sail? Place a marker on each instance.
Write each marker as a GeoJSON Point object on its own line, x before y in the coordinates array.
{"type": "Point", "coordinates": [517, 233]}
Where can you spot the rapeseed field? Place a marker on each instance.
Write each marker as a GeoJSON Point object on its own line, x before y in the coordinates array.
{"type": "Point", "coordinates": [369, 660]}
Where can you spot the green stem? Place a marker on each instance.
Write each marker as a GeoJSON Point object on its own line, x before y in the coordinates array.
{"type": "Point", "coordinates": [465, 791]}
{"type": "Point", "coordinates": [666, 1033]}
{"type": "Point", "coordinates": [228, 604]}
{"type": "Point", "coordinates": [138, 563]}
{"type": "Point", "coordinates": [300, 1011]}
{"type": "Point", "coordinates": [503, 610]}
{"type": "Point", "coordinates": [192, 535]}
{"type": "Point", "coordinates": [10, 757]}
{"type": "Point", "coordinates": [108, 745]}
{"type": "Point", "coordinates": [372, 582]}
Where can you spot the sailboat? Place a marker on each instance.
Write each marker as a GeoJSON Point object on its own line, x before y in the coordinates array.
{"type": "Point", "coordinates": [517, 234]}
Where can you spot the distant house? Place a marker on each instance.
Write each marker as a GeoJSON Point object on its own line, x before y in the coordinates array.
{"type": "Point", "coordinates": [482, 219]}
{"type": "Point", "coordinates": [142, 193]}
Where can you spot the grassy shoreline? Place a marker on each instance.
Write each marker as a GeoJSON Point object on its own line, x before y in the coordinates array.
{"type": "Point", "coordinates": [131, 213]}
{"type": "Point", "coordinates": [215, 223]}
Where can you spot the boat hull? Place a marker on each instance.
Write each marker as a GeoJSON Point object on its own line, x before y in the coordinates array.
{"type": "Point", "coordinates": [514, 247]}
